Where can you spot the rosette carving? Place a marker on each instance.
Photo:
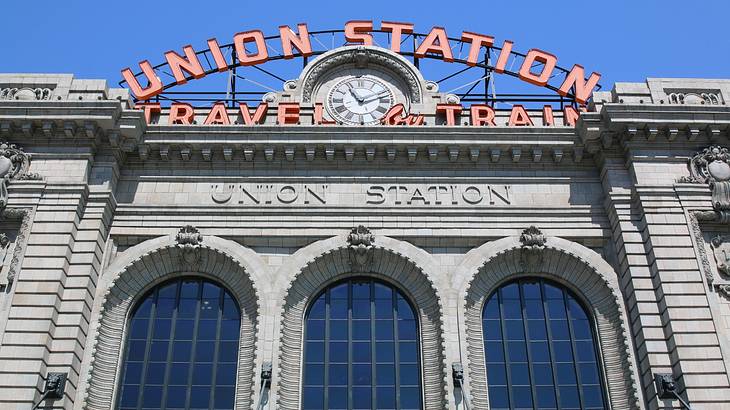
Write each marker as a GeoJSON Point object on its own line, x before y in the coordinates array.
{"type": "Point", "coordinates": [189, 240]}
{"type": "Point", "coordinates": [360, 243]}
{"type": "Point", "coordinates": [533, 243]}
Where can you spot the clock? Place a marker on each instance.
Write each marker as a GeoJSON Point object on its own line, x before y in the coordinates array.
{"type": "Point", "coordinates": [359, 100]}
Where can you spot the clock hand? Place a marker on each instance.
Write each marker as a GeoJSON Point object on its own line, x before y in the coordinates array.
{"type": "Point", "coordinates": [377, 96]}
{"type": "Point", "coordinates": [355, 94]}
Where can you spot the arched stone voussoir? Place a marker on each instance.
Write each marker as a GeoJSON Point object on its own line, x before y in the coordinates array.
{"type": "Point", "coordinates": [149, 263]}
{"type": "Point", "coordinates": [312, 268]}
{"type": "Point", "coordinates": [582, 270]}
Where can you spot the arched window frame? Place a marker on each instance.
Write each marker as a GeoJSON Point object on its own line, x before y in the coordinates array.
{"type": "Point", "coordinates": [398, 290]}
{"type": "Point", "coordinates": [563, 261]}
{"type": "Point", "coordinates": [583, 304]}
{"type": "Point", "coordinates": [153, 292]}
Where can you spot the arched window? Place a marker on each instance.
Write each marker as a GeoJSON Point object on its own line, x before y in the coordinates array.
{"type": "Point", "coordinates": [361, 349]}
{"type": "Point", "coordinates": [540, 349]}
{"type": "Point", "coordinates": [182, 348]}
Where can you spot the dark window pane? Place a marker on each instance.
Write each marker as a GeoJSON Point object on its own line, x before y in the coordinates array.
{"type": "Point", "coordinates": [519, 374]}
{"type": "Point", "coordinates": [155, 373]}
{"type": "Point", "coordinates": [540, 351]}
{"type": "Point", "coordinates": [410, 398]}
{"type": "Point", "coordinates": [361, 309]}
{"type": "Point", "coordinates": [337, 397]}
{"type": "Point", "coordinates": [556, 309]}
{"type": "Point", "coordinates": [189, 289]}
{"type": "Point", "coordinates": [176, 396]}
{"type": "Point", "coordinates": [339, 291]}
{"type": "Point", "coordinates": [144, 309]}
{"type": "Point", "coordinates": [338, 374]}
{"type": "Point", "coordinates": [133, 373]}
{"type": "Point", "coordinates": [582, 329]}
{"type": "Point", "coordinates": [511, 291]}
{"type": "Point", "coordinates": [553, 292]}
{"type": "Point", "coordinates": [383, 291]}
{"type": "Point", "coordinates": [184, 329]}
{"type": "Point", "coordinates": [384, 330]}
{"type": "Point", "coordinates": [585, 350]}
{"type": "Point", "coordinates": [408, 352]}
{"type": "Point", "coordinates": [139, 328]}
{"type": "Point", "coordinates": [224, 397]}
{"type": "Point", "coordinates": [522, 396]}
{"type": "Point", "coordinates": [162, 329]}
{"type": "Point", "coordinates": [200, 396]}
{"type": "Point", "coordinates": [563, 351]}
{"type": "Point", "coordinates": [496, 375]}
{"type": "Point", "coordinates": [407, 330]}
{"type": "Point", "coordinates": [385, 375]}
{"type": "Point", "coordinates": [338, 352]}
{"type": "Point", "coordinates": [202, 373]}
{"type": "Point", "coordinates": [204, 351]}
{"type": "Point", "coordinates": [383, 309]}
{"type": "Point", "coordinates": [181, 351]}
{"type": "Point", "coordinates": [228, 351]}
{"type": "Point", "coordinates": [546, 397]}
{"type": "Point", "coordinates": [566, 373]}
{"type": "Point", "coordinates": [361, 330]}
{"type": "Point", "coordinates": [362, 398]}
{"type": "Point", "coordinates": [226, 374]}
{"type": "Point", "coordinates": [404, 309]}
{"type": "Point", "coordinates": [315, 329]}
{"type": "Point", "coordinates": [338, 329]}
{"type": "Point", "coordinates": [152, 396]}
{"type": "Point", "coordinates": [592, 396]}
{"type": "Point", "coordinates": [569, 396]}
{"type": "Point", "coordinates": [512, 309]}
{"type": "Point", "coordinates": [516, 351]}
{"type": "Point", "coordinates": [186, 308]}
{"type": "Point", "coordinates": [536, 329]}
{"type": "Point", "coordinates": [179, 373]}
{"type": "Point", "coordinates": [230, 308]}
{"type": "Point", "coordinates": [559, 330]}
{"type": "Point", "coordinates": [588, 373]}
{"type": "Point", "coordinates": [361, 352]}
{"type": "Point", "coordinates": [230, 329]}
{"type": "Point", "coordinates": [313, 398]}
{"type": "Point", "coordinates": [361, 290]}
{"type": "Point", "coordinates": [543, 373]}
{"type": "Point", "coordinates": [314, 374]}
{"type": "Point", "coordinates": [385, 352]}
{"type": "Point", "coordinates": [495, 351]}
{"type": "Point", "coordinates": [129, 395]}
{"type": "Point", "coordinates": [533, 309]}
{"type": "Point", "coordinates": [338, 308]}
{"type": "Point", "coordinates": [317, 311]}
{"type": "Point", "coordinates": [409, 375]}
{"type": "Point", "coordinates": [209, 308]}
{"type": "Point", "coordinates": [492, 330]}
{"type": "Point", "coordinates": [207, 329]}
{"type": "Point", "coordinates": [531, 290]}
{"type": "Point", "coordinates": [491, 309]}
{"type": "Point", "coordinates": [386, 397]}
{"type": "Point", "coordinates": [158, 351]}
{"type": "Point", "coordinates": [314, 352]}
{"type": "Point", "coordinates": [515, 330]}
{"type": "Point", "coordinates": [498, 397]}
{"type": "Point", "coordinates": [165, 307]}
{"type": "Point", "coordinates": [576, 310]}
{"type": "Point", "coordinates": [361, 374]}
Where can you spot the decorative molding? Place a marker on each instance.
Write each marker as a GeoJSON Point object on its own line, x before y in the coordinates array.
{"type": "Point", "coordinates": [189, 240]}
{"type": "Point", "coordinates": [124, 283]}
{"type": "Point", "coordinates": [331, 263]}
{"type": "Point", "coordinates": [360, 244]}
{"type": "Point", "coordinates": [721, 249]}
{"type": "Point", "coordinates": [25, 217]}
{"type": "Point", "coordinates": [26, 93]}
{"type": "Point", "coordinates": [712, 166]}
{"type": "Point", "coordinates": [694, 218]}
{"type": "Point", "coordinates": [14, 165]}
{"type": "Point", "coordinates": [533, 243]}
{"type": "Point", "coordinates": [698, 97]}
{"type": "Point", "coordinates": [573, 265]}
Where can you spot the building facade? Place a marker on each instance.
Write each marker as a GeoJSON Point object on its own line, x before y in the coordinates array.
{"type": "Point", "coordinates": [185, 259]}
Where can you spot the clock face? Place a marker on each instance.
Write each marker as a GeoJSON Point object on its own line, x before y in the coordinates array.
{"type": "Point", "coordinates": [359, 100]}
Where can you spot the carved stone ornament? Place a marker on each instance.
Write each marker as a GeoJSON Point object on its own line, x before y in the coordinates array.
{"type": "Point", "coordinates": [189, 240]}
{"type": "Point", "coordinates": [533, 243]}
{"type": "Point", "coordinates": [14, 164]}
{"type": "Point", "coordinates": [712, 166]}
{"type": "Point", "coordinates": [721, 249]}
{"type": "Point", "coordinates": [360, 243]}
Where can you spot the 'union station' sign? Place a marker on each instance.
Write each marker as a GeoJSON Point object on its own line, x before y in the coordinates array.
{"type": "Point", "coordinates": [250, 48]}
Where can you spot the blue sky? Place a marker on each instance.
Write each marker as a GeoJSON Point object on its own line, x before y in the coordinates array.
{"type": "Point", "coordinates": [623, 40]}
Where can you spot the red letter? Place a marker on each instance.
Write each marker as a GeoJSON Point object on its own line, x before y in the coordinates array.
{"type": "Point", "coordinates": [149, 109]}
{"type": "Point", "coordinates": [570, 115]}
{"type": "Point", "coordinates": [319, 116]}
{"type": "Point", "coordinates": [482, 114]}
{"type": "Point", "coordinates": [519, 116]}
{"type": "Point", "coordinates": [358, 32]}
{"type": "Point", "coordinates": [240, 40]}
{"type": "Point", "coordinates": [289, 39]}
{"type": "Point", "coordinates": [154, 87]}
{"type": "Point", "coordinates": [583, 89]}
{"type": "Point", "coordinates": [548, 61]}
{"type": "Point", "coordinates": [288, 113]}
{"type": "Point", "coordinates": [189, 64]}
{"type": "Point", "coordinates": [451, 111]}
{"type": "Point", "coordinates": [215, 49]}
{"type": "Point", "coordinates": [477, 42]}
{"type": "Point", "coordinates": [258, 115]}
{"type": "Point", "coordinates": [398, 29]}
{"type": "Point", "coordinates": [217, 115]}
{"type": "Point", "coordinates": [503, 56]}
{"type": "Point", "coordinates": [548, 119]}
{"type": "Point", "coordinates": [181, 113]}
{"type": "Point", "coordinates": [436, 42]}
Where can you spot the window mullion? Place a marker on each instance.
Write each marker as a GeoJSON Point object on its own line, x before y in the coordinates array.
{"type": "Point", "coordinates": [396, 348]}
{"type": "Point", "coordinates": [193, 349]}
{"type": "Point", "coordinates": [576, 368]}
{"type": "Point", "coordinates": [553, 364]}
{"type": "Point", "coordinates": [505, 352]}
{"type": "Point", "coordinates": [216, 351]}
{"type": "Point", "coordinates": [373, 359]}
{"type": "Point", "coordinates": [168, 361]}
{"type": "Point", "coordinates": [147, 348]}
{"type": "Point", "coordinates": [350, 373]}
{"type": "Point", "coordinates": [326, 359]}
{"type": "Point", "coordinates": [523, 309]}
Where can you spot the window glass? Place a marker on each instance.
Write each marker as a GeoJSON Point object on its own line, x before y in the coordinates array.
{"type": "Point", "coordinates": [361, 349]}
{"type": "Point", "coordinates": [540, 349]}
{"type": "Point", "coordinates": [182, 348]}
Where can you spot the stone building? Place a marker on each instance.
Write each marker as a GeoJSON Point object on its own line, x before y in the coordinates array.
{"type": "Point", "coordinates": [319, 265]}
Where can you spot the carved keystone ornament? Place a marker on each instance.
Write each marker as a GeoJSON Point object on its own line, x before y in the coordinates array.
{"type": "Point", "coordinates": [360, 245]}
{"type": "Point", "coordinates": [189, 240]}
{"type": "Point", "coordinates": [533, 243]}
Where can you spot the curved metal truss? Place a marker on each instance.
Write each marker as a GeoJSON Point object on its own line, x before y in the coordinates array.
{"type": "Point", "coordinates": [473, 84]}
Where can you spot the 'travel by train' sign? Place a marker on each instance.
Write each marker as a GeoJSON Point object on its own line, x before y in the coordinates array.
{"type": "Point", "coordinates": [390, 95]}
